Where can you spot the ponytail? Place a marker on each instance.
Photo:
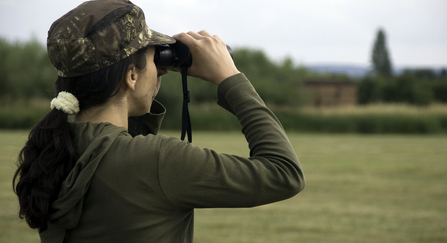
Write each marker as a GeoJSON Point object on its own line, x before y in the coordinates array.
{"type": "Point", "coordinates": [44, 163]}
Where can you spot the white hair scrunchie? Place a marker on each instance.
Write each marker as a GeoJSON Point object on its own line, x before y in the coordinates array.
{"type": "Point", "coordinates": [66, 102]}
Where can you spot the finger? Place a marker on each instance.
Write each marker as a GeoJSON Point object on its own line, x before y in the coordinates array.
{"type": "Point", "coordinates": [218, 38]}
{"type": "Point", "coordinates": [179, 35]}
{"type": "Point", "coordinates": [205, 33]}
{"type": "Point", "coordinates": [195, 35]}
{"type": "Point", "coordinates": [185, 38]}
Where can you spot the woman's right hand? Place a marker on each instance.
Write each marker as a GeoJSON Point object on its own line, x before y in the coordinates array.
{"type": "Point", "coordinates": [211, 60]}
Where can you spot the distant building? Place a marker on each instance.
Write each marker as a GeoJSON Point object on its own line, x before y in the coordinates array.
{"type": "Point", "coordinates": [330, 93]}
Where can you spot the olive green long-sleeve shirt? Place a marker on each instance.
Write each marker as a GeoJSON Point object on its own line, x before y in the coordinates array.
{"type": "Point", "coordinates": [144, 188]}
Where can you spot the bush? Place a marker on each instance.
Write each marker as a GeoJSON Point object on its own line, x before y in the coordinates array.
{"type": "Point", "coordinates": [368, 91]}
{"type": "Point", "coordinates": [389, 118]}
{"type": "Point", "coordinates": [380, 119]}
{"type": "Point", "coordinates": [439, 89]}
{"type": "Point", "coordinates": [25, 70]}
{"type": "Point", "coordinates": [277, 84]}
{"type": "Point", "coordinates": [21, 114]}
{"type": "Point", "coordinates": [400, 89]}
{"type": "Point", "coordinates": [369, 123]}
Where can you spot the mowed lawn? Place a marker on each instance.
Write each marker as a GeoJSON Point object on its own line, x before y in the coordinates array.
{"type": "Point", "coordinates": [360, 188]}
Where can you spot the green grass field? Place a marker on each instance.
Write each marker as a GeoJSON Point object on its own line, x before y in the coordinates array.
{"type": "Point", "coordinates": [360, 188]}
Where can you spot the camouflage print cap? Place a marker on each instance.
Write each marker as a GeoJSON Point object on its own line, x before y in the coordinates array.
{"type": "Point", "coordinates": [97, 34]}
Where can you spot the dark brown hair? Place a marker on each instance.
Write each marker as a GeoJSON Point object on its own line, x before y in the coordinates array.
{"type": "Point", "coordinates": [49, 154]}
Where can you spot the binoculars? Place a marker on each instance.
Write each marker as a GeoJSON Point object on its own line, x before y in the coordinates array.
{"type": "Point", "coordinates": [175, 55]}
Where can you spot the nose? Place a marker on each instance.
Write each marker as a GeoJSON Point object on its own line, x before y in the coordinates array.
{"type": "Point", "coordinates": [161, 71]}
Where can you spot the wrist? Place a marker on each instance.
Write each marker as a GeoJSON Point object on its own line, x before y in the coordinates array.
{"type": "Point", "coordinates": [225, 76]}
{"type": "Point", "coordinates": [228, 78]}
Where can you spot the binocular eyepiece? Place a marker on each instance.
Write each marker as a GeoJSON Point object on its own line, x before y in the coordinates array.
{"type": "Point", "coordinates": [175, 55]}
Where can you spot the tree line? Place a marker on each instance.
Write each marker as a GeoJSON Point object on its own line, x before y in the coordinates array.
{"type": "Point", "coordinates": [26, 73]}
{"type": "Point", "coordinates": [413, 86]}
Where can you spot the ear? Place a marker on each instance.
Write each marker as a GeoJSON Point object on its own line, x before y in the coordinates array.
{"type": "Point", "coordinates": [130, 78]}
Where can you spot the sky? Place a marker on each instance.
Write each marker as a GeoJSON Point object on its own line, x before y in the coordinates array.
{"type": "Point", "coordinates": [310, 32]}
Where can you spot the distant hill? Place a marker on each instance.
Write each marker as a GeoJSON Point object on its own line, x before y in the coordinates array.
{"type": "Point", "coordinates": [356, 70]}
{"type": "Point", "coordinates": [350, 70]}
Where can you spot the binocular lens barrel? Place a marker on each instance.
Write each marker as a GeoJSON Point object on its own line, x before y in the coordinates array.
{"type": "Point", "coordinates": [175, 55]}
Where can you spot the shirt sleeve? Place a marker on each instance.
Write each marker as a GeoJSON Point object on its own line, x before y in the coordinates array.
{"type": "Point", "coordinates": [193, 177]}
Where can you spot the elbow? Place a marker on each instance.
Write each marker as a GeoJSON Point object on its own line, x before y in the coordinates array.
{"type": "Point", "coordinates": [286, 188]}
{"type": "Point", "coordinates": [293, 175]}
{"type": "Point", "coordinates": [301, 181]}
{"type": "Point", "coordinates": [297, 184]}
{"type": "Point", "coordinates": [292, 180]}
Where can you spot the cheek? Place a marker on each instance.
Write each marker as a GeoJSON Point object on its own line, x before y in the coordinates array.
{"type": "Point", "coordinates": [156, 87]}
{"type": "Point", "coordinates": [158, 84]}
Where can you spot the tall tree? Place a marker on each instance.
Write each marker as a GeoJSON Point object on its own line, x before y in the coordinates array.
{"type": "Point", "coordinates": [380, 57]}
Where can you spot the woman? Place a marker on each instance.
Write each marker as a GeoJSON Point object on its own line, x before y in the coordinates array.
{"type": "Point", "coordinates": [91, 180]}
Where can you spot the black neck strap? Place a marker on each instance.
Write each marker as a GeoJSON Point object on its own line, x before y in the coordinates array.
{"type": "Point", "coordinates": [186, 121]}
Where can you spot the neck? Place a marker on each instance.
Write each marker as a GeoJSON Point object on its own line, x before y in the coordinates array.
{"type": "Point", "coordinates": [116, 114]}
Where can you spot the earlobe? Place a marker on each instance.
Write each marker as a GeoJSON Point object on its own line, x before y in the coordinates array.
{"type": "Point", "coordinates": [131, 78]}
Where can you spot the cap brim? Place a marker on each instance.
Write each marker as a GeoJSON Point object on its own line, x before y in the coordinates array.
{"type": "Point", "coordinates": [158, 38]}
